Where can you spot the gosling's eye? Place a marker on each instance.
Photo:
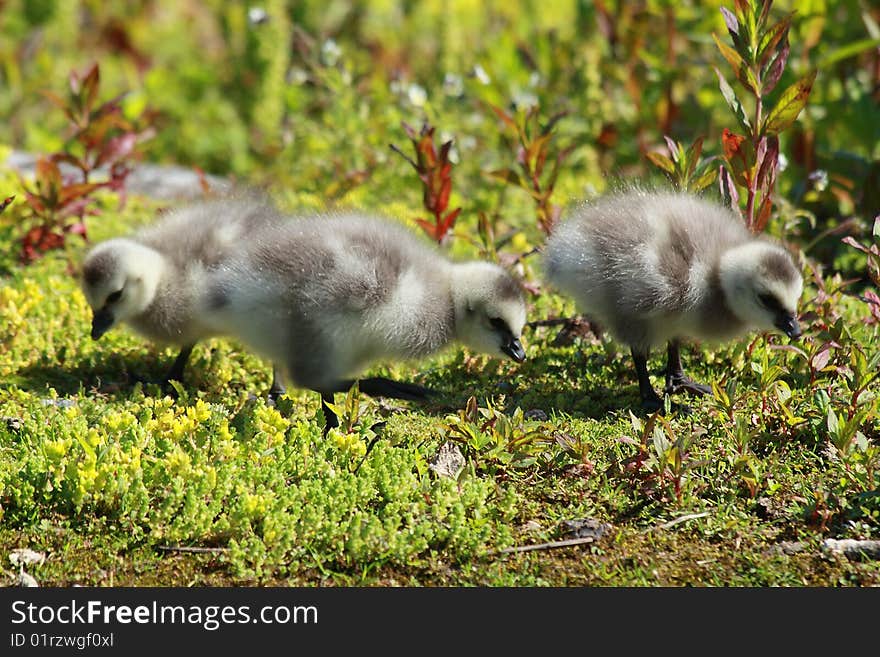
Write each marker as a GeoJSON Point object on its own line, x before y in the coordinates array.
{"type": "Point", "coordinates": [767, 300]}
{"type": "Point", "coordinates": [114, 296]}
{"type": "Point", "coordinates": [499, 324]}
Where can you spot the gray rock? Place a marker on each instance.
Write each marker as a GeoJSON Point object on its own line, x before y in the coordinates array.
{"type": "Point", "coordinates": [584, 528]}
{"type": "Point", "coordinates": [158, 181]}
{"type": "Point", "coordinates": [448, 461]}
{"type": "Point", "coordinates": [535, 414]}
{"type": "Point", "coordinates": [60, 403]}
{"type": "Point", "coordinates": [852, 548]}
{"type": "Point", "coordinates": [22, 556]}
{"type": "Point", "coordinates": [788, 547]}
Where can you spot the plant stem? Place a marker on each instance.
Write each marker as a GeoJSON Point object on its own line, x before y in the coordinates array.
{"type": "Point", "coordinates": [756, 139]}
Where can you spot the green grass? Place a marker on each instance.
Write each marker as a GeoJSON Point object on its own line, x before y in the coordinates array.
{"type": "Point", "coordinates": [105, 475]}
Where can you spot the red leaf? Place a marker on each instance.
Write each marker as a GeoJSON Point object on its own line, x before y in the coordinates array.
{"type": "Point", "coordinates": [6, 202]}
{"type": "Point", "coordinates": [48, 180]}
{"type": "Point", "coordinates": [739, 155]}
{"type": "Point", "coordinates": [505, 117]}
{"type": "Point", "coordinates": [74, 192]}
{"type": "Point", "coordinates": [79, 228]}
{"type": "Point", "coordinates": [728, 188]}
{"type": "Point", "coordinates": [851, 241]}
{"type": "Point", "coordinates": [117, 148]}
{"type": "Point", "coordinates": [427, 226]}
{"type": "Point", "coordinates": [90, 86]}
{"type": "Point", "coordinates": [37, 241]}
{"type": "Point", "coordinates": [412, 134]}
{"type": "Point", "coordinates": [763, 214]}
{"type": "Point", "coordinates": [70, 159]}
{"type": "Point", "coordinates": [78, 208]}
{"type": "Point", "coordinates": [768, 164]}
{"type": "Point", "coordinates": [427, 154]}
{"type": "Point", "coordinates": [443, 198]}
{"type": "Point", "coordinates": [607, 136]}
{"type": "Point", "coordinates": [873, 302]}
{"type": "Point", "coordinates": [820, 358]}
{"type": "Point", "coordinates": [774, 70]}
{"type": "Point", "coordinates": [444, 153]}
{"type": "Point", "coordinates": [731, 143]}
{"type": "Point", "coordinates": [35, 202]}
{"type": "Point", "coordinates": [449, 220]}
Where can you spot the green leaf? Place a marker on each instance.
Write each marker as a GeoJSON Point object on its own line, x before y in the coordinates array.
{"type": "Point", "coordinates": [833, 423]}
{"type": "Point", "coordinates": [847, 51]}
{"type": "Point", "coordinates": [661, 161]}
{"type": "Point", "coordinates": [772, 38]}
{"type": "Point", "coordinates": [692, 156]}
{"type": "Point", "coordinates": [740, 67]}
{"type": "Point", "coordinates": [733, 102]}
{"type": "Point", "coordinates": [506, 175]}
{"type": "Point", "coordinates": [789, 106]}
{"type": "Point", "coordinates": [703, 180]}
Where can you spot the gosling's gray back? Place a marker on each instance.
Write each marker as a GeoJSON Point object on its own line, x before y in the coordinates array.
{"type": "Point", "coordinates": [193, 239]}
{"type": "Point", "coordinates": [327, 294]}
{"type": "Point", "coordinates": [202, 234]}
{"type": "Point", "coordinates": [636, 255]}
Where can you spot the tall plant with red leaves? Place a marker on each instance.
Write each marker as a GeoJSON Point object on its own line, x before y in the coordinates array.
{"type": "Point", "coordinates": [758, 57]}
{"type": "Point", "coordinates": [533, 145]}
{"type": "Point", "coordinates": [101, 142]}
{"type": "Point", "coordinates": [435, 171]}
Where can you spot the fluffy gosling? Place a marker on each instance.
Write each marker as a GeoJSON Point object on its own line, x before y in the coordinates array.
{"type": "Point", "coordinates": [657, 267]}
{"type": "Point", "coordinates": [153, 279]}
{"type": "Point", "coordinates": [326, 296]}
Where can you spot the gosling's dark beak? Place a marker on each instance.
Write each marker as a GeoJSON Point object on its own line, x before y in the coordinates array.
{"type": "Point", "coordinates": [788, 324]}
{"type": "Point", "coordinates": [514, 349]}
{"type": "Point", "coordinates": [101, 322]}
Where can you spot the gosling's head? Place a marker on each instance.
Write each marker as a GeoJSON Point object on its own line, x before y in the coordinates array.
{"type": "Point", "coordinates": [119, 280]}
{"type": "Point", "coordinates": [762, 286]}
{"type": "Point", "coordinates": [489, 309]}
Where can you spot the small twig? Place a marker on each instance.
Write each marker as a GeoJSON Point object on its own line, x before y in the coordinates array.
{"type": "Point", "coordinates": [196, 550]}
{"type": "Point", "coordinates": [549, 322]}
{"type": "Point", "coordinates": [378, 428]}
{"type": "Point", "coordinates": [547, 546]}
{"type": "Point", "coordinates": [678, 521]}
{"type": "Point", "coordinates": [523, 256]}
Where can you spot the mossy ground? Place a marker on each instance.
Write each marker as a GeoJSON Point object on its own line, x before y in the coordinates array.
{"type": "Point", "coordinates": [105, 475]}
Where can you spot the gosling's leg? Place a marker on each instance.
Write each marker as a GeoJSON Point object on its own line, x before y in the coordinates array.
{"type": "Point", "coordinates": [676, 380]}
{"type": "Point", "coordinates": [330, 419]}
{"type": "Point", "coordinates": [176, 371]}
{"type": "Point", "coordinates": [651, 401]}
{"type": "Point", "coordinates": [277, 389]}
{"type": "Point", "coordinates": [381, 387]}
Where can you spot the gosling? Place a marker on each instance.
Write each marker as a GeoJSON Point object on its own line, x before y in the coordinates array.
{"type": "Point", "coordinates": [152, 280]}
{"type": "Point", "coordinates": [328, 295]}
{"type": "Point", "coordinates": [655, 267]}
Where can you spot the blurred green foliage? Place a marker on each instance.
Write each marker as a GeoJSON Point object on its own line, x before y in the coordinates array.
{"type": "Point", "coordinates": [309, 94]}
